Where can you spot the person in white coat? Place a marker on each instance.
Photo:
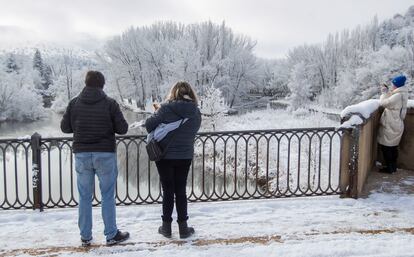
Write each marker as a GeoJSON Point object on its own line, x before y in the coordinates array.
{"type": "Point", "coordinates": [391, 127]}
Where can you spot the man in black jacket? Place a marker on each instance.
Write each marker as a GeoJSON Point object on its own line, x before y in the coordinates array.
{"type": "Point", "coordinates": [94, 118]}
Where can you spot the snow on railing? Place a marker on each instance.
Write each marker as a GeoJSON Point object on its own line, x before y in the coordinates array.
{"type": "Point", "coordinates": [354, 115]}
{"type": "Point", "coordinates": [365, 108]}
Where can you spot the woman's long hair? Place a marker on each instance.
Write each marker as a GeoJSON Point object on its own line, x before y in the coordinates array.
{"type": "Point", "coordinates": [182, 91]}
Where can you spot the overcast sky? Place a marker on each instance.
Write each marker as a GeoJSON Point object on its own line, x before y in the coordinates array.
{"type": "Point", "coordinates": [276, 25]}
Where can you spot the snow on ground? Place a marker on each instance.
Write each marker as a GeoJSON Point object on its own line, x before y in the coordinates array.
{"type": "Point", "coordinates": [380, 225]}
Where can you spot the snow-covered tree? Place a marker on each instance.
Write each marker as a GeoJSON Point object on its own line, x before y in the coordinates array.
{"type": "Point", "coordinates": [65, 88]}
{"type": "Point", "coordinates": [299, 86]}
{"type": "Point", "coordinates": [38, 61]}
{"type": "Point", "coordinates": [18, 100]}
{"type": "Point", "coordinates": [213, 105]}
{"type": "Point", "coordinates": [42, 78]}
{"type": "Point", "coordinates": [43, 70]}
{"type": "Point", "coordinates": [146, 61]}
{"type": "Point", "coordinates": [11, 64]}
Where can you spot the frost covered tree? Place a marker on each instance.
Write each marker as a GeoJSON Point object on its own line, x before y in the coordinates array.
{"type": "Point", "coordinates": [299, 86]}
{"type": "Point", "coordinates": [69, 70]}
{"type": "Point", "coordinates": [18, 100]}
{"type": "Point", "coordinates": [243, 71]}
{"type": "Point", "coordinates": [379, 67]}
{"type": "Point", "coordinates": [47, 77]}
{"type": "Point", "coordinates": [275, 76]}
{"type": "Point", "coordinates": [44, 70]}
{"type": "Point", "coordinates": [38, 61]}
{"type": "Point", "coordinates": [146, 61]}
{"type": "Point", "coordinates": [62, 73]}
{"type": "Point", "coordinates": [11, 64]}
{"type": "Point", "coordinates": [42, 78]}
{"type": "Point", "coordinates": [314, 63]}
{"type": "Point", "coordinates": [213, 105]}
{"type": "Point", "coordinates": [65, 88]}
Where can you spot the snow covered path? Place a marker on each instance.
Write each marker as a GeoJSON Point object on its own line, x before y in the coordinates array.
{"type": "Point", "coordinates": [381, 225]}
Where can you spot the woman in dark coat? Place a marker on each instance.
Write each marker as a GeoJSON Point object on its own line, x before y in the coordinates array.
{"type": "Point", "coordinates": [173, 168]}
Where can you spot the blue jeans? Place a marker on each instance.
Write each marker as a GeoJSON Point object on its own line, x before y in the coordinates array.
{"type": "Point", "coordinates": [104, 165]}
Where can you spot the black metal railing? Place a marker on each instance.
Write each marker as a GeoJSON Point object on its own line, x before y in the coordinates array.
{"type": "Point", "coordinates": [16, 188]}
{"type": "Point", "coordinates": [40, 173]}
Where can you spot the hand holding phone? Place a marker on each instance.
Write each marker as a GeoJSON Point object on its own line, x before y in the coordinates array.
{"type": "Point", "coordinates": [156, 106]}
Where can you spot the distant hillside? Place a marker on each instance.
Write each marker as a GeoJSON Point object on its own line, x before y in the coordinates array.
{"type": "Point", "coordinates": [349, 66]}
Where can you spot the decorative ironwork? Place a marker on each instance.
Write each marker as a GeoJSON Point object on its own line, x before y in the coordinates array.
{"type": "Point", "coordinates": [232, 165]}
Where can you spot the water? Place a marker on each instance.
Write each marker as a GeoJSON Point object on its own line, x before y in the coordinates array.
{"type": "Point", "coordinates": [49, 126]}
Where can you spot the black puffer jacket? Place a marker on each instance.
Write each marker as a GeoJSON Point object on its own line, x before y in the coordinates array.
{"type": "Point", "coordinates": [182, 146]}
{"type": "Point", "coordinates": [93, 118]}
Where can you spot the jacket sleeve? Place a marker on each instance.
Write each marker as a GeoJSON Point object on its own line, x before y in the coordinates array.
{"type": "Point", "coordinates": [119, 122]}
{"type": "Point", "coordinates": [65, 123]}
{"type": "Point", "coordinates": [390, 101]}
{"type": "Point", "coordinates": [154, 120]}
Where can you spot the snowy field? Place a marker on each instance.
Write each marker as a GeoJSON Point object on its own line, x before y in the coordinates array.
{"type": "Point", "coordinates": [380, 225]}
{"type": "Point", "coordinates": [273, 119]}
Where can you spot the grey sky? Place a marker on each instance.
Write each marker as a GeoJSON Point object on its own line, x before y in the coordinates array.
{"type": "Point", "coordinates": [276, 25]}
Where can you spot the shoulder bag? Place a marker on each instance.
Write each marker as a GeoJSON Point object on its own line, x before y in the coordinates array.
{"type": "Point", "coordinates": [154, 149]}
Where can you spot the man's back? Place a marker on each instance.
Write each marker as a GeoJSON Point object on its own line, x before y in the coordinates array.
{"type": "Point", "coordinates": [93, 118]}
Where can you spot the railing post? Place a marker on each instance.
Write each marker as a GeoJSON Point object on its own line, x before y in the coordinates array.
{"type": "Point", "coordinates": [36, 171]}
{"type": "Point", "coordinates": [353, 163]}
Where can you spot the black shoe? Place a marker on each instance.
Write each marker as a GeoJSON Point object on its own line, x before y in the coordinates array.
{"type": "Point", "coordinates": [184, 230]}
{"type": "Point", "coordinates": [86, 243]}
{"type": "Point", "coordinates": [165, 229]}
{"type": "Point", "coordinates": [118, 238]}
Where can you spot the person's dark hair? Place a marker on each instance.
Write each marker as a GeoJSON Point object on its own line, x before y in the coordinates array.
{"type": "Point", "coordinates": [94, 79]}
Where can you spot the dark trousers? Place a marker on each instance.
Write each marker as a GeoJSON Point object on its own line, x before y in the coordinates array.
{"type": "Point", "coordinates": [173, 176]}
{"type": "Point", "coordinates": [390, 154]}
